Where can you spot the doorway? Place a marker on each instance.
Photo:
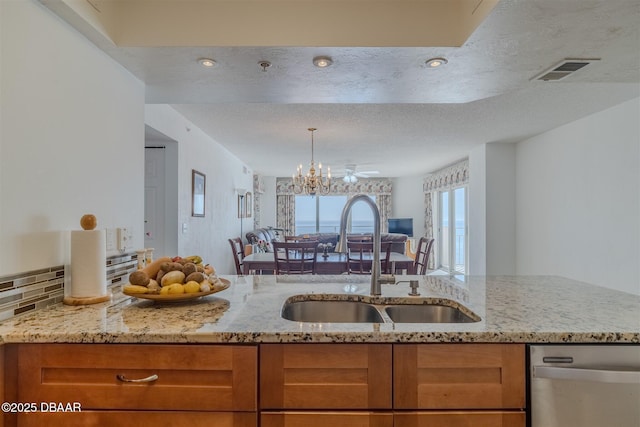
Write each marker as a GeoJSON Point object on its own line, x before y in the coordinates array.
{"type": "Point", "coordinates": [160, 193]}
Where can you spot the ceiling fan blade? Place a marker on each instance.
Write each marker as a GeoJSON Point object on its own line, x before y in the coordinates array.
{"type": "Point", "coordinates": [365, 174]}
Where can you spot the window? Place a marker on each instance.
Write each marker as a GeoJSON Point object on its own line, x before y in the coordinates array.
{"type": "Point", "coordinates": [321, 214]}
{"type": "Point", "coordinates": [452, 230]}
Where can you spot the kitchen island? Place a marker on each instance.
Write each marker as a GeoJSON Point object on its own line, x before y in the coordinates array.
{"type": "Point", "coordinates": [229, 359]}
{"type": "Point", "coordinates": [512, 309]}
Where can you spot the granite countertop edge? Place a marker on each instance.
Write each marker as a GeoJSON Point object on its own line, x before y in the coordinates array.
{"type": "Point", "coordinates": [513, 309]}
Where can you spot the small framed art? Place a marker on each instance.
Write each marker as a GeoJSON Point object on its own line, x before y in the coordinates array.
{"type": "Point", "coordinates": [198, 190]}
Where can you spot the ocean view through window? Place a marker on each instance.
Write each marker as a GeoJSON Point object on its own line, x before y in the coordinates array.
{"type": "Point", "coordinates": [321, 214]}
{"type": "Point", "coordinates": [452, 230]}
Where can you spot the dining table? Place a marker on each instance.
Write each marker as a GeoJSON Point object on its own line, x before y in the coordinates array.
{"type": "Point", "coordinates": [331, 263]}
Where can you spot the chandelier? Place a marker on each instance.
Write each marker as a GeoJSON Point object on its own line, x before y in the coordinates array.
{"type": "Point", "coordinates": [311, 183]}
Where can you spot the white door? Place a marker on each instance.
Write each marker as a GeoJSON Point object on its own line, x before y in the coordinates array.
{"type": "Point", "coordinates": [154, 200]}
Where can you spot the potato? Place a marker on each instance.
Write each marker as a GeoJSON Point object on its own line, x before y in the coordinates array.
{"type": "Point", "coordinates": [139, 278]}
{"type": "Point", "coordinates": [175, 266]}
{"type": "Point", "coordinates": [195, 277]}
{"type": "Point", "coordinates": [172, 277]}
{"type": "Point", "coordinates": [189, 268]}
{"type": "Point", "coordinates": [159, 275]}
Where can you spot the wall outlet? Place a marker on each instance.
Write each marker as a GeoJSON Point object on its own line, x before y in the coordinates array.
{"type": "Point", "coordinates": [110, 237]}
{"type": "Point", "coordinates": [125, 239]}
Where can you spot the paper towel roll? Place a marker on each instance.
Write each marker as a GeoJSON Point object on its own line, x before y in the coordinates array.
{"type": "Point", "coordinates": [88, 264]}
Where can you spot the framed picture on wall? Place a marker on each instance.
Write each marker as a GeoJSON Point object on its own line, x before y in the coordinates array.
{"type": "Point", "coordinates": [248, 205]}
{"type": "Point", "coordinates": [198, 188]}
{"type": "Point", "coordinates": [241, 206]}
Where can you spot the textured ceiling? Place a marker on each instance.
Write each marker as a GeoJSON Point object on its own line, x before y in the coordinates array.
{"type": "Point", "coordinates": [380, 107]}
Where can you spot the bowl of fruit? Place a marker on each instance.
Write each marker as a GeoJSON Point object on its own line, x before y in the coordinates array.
{"type": "Point", "coordinates": [174, 279]}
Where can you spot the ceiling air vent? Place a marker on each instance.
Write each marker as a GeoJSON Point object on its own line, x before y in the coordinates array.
{"type": "Point", "coordinates": [563, 69]}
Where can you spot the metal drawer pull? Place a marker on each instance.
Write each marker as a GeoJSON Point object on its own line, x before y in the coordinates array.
{"type": "Point", "coordinates": [596, 375]}
{"type": "Point", "coordinates": [149, 379]}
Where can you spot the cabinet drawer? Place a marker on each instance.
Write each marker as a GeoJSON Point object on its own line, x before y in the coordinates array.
{"type": "Point", "coordinates": [460, 419]}
{"type": "Point", "coordinates": [459, 376]}
{"type": "Point", "coordinates": [190, 377]}
{"type": "Point", "coordinates": [325, 376]}
{"type": "Point", "coordinates": [136, 419]}
{"type": "Point", "coordinates": [324, 419]}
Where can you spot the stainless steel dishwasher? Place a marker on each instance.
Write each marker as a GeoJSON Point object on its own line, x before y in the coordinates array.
{"type": "Point", "coordinates": [584, 385]}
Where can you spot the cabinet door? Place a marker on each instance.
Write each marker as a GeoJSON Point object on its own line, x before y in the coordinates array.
{"type": "Point", "coordinates": [324, 419]}
{"type": "Point", "coordinates": [137, 419]}
{"type": "Point", "coordinates": [459, 376]}
{"type": "Point", "coordinates": [189, 377]}
{"type": "Point", "coordinates": [460, 419]}
{"type": "Point", "coordinates": [325, 376]}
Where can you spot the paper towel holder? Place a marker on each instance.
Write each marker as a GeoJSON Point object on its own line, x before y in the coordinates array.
{"type": "Point", "coordinates": [88, 222]}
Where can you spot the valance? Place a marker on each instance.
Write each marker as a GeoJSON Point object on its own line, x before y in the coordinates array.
{"type": "Point", "coordinates": [449, 177]}
{"type": "Point", "coordinates": [378, 186]}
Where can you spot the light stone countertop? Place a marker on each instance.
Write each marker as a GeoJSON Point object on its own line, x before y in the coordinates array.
{"type": "Point", "coordinates": [511, 308]}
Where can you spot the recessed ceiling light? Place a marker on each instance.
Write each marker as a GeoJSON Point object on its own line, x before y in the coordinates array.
{"type": "Point", "coordinates": [207, 62]}
{"type": "Point", "coordinates": [322, 61]}
{"type": "Point", "coordinates": [436, 62]}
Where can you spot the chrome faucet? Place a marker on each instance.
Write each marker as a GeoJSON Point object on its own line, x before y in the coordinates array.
{"type": "Point", "coordinates": [376, 278]}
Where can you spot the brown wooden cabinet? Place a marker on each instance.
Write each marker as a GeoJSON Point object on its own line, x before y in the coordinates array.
{"type": "Point", "coordinates": [215, 383]}
{"type": "Point", "coordinates": [324, 419]}
{"type": "Point", "coordinates": [325, 376]}
{"type": "Point", "coordinates": [463, 377]}
{"type": "Point", "coordinates": [443, 385]}
{"type": "Point", "coordinates": [459, 419]}
{"type": "Point", "coordinates": [2, 384]}
{"type": "Point", "coordinates": [139, 418]}
{"type": "Point", "coordinates": [354, 385]}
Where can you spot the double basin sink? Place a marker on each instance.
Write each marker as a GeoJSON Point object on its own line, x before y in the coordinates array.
{"type": "Point", "coordinates": [330, 310]}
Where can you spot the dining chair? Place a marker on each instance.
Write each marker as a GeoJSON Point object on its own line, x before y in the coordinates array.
{"type": "Point", "coordinates": [425, 245]}
{"type": "Point", "coordinates": [359, 238]}
{"type": "Point", "coordinates": [295, 257]}
{"type": "Point", "coordinates": [300, 239]}
{"type": "Point", "coordinates": [360, 257]}
{"type": "Point", "coordinates": [238, 253]}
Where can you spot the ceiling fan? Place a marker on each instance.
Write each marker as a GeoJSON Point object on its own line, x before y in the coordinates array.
{"type": "Point", "coordinates": [351, 175]}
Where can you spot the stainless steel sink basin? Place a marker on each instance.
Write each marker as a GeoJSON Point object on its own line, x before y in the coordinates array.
{"type": "Point", "coordinates": [427, 313]}
{"type": "Point", "coordinates": [331, 311]}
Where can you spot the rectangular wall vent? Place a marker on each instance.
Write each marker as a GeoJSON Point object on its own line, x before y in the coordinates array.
{"type": "Point", "coordinates": [563, 69]}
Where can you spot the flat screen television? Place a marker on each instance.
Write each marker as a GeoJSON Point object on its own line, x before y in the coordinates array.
{"type": "Point", "coordinates": [401, 225]}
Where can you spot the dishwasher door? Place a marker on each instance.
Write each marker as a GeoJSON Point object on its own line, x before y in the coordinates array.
{"type": "Point", "coordinates": [585, 385]}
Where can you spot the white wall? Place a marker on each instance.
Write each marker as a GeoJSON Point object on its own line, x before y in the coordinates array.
{"type": "Point", "coordinates": [71, 138]}
{"type": "Point", "coordinates": [408, 202]}
{"type": "Point", "coordinates": [478, 210]}
{"type": "Point", "coordinates": [224, 172]}
{"type": "Point", "coordinates": [501, 207]}
{"type": "Point", "coordinates": [578, 200]}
